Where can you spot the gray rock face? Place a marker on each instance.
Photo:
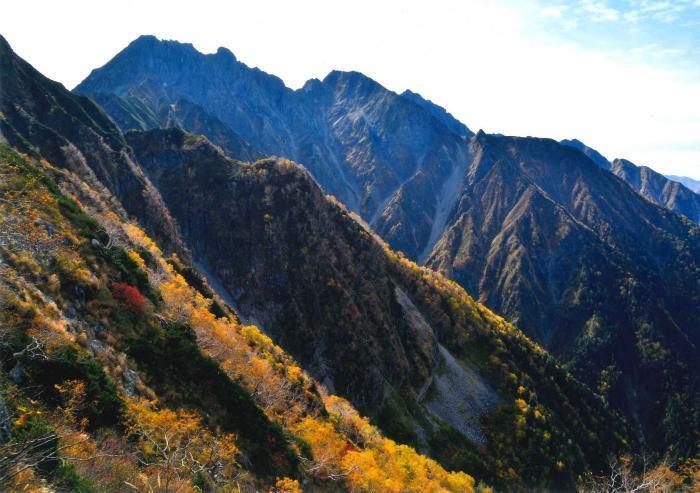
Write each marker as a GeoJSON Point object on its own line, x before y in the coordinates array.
{"type": "Point", "coordinates": [136, 114]}
{"type": "Point", "coordinates": [461, 397]}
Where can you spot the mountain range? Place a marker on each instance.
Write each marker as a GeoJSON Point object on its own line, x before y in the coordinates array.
{"type": "Point", "coordinates": [269, 287]}
{"type": "Point", "coordinates": [674, 194]}
{"type": "Point", "coordinates": [571, 247]}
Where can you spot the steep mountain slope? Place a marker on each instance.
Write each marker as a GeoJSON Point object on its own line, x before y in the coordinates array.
{"type": "Point", "coordinates": [583, 264]}
{"type": "Point", "coordinates": [40, 117]}
{"type": "Point", "coordinates": [606, 279]}
{"type": "Point", "coordinates": [659, 189]}
{"type": "Point", "coordinates": [363, 143]}
{"type": "Point", "coordinates": [90, 302]}
{"type": "Point", "coordinates": [397, 340]}
{"type": "Point", "coordinates": [116, 376]}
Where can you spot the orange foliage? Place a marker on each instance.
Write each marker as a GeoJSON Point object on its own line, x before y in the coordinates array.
{"type": "Point", "coordinates": [345, 446]}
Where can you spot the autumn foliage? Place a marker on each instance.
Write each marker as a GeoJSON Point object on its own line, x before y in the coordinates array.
{"type": "Point", "coordinates": [129, 296]}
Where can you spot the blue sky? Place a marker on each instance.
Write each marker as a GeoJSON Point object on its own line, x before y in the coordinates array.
{"type": "Point", "coordinates": [622, 76]}
{"type": "Point", "coordinates": [661, 35]}
{"type": "Point", "coordinates": [666, 33]}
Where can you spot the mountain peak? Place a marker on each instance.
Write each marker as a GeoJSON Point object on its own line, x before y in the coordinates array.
{"type": "Point", "coordinates": [6, 52]}
{"type": "Point", "coordinates": [623, 162]}
{"type": "Point", "coordinates": [225, 53]}
{"type": "Point", "coordinates": [351, 78]}
{"type": "Point", "coordinates": [148, 45]}
{"type": "Point", "coordinates": [145, 39]}
{"type": "Point", "coordinates": [4, 45]}
{"type": "Point", "coordinates": [573, 142]}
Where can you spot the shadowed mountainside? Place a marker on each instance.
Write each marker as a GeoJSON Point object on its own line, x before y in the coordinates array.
{"type": "Point", "coordinates": [604, 279]}
{"type": "Point", "coordinates": [366, 322]}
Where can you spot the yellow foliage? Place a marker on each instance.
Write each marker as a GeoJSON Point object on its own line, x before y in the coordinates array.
{"type": "Point", "coordinates": [382, 466]}
{"type": "Point", "coordinates": [133, 255]}
{"type": "Point", "coordinates": [398, 468]}
{"type": "Point", "coordinates": [521, 405]}
{"type": "Point", "coordinates": [176, 443]}
{"type": "Point", "coordinates": [286, 485]}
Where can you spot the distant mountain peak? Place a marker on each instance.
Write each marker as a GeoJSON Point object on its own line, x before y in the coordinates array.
{"type": "Point", "coordinates": [691, 183]}
{"type": "Point", "coordinates": [624, 162]}
{"type": "Point", "coordinates": [4, 46]}
{"type": "Point", "coordinates": [145, 39]}
{"type": "Point", "coordinates": [225, 52]}
{"type": "Point", "coordinates": [353, 75]}
{"type": "Point", "coordinates": [352, 79]}
{"type": "Point", "coordinates": [573, 142]}
{"type": "Point", "coordinates": [151, 42]}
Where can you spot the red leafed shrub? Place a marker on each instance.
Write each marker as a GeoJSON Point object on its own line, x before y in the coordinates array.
{"type": "Point", "coordinates": [129, 296]}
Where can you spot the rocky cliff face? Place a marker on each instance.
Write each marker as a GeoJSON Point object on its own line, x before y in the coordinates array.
{"type": "Point", "coordinates": [690, 183]}
{"type": "Point", "coordinates": [135, 113]}
{"type": "Point", "coordinates": [659, 189]}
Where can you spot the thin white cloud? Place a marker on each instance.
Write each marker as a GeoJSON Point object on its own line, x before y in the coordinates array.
{"type": "Point", "coordinates": [599, 11]}
{"type": "Point", "coordinates": [553, 11]}
{"type": "Point", "coordinates": [643, 49]}
{"type": "Point", "coordinates": [657, 7]}
{"type": "Point", "coordinates": [663, 11]}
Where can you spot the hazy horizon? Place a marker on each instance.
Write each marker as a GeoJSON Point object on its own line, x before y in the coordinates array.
{"type": "Point", "coordinates": [619, 76]}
